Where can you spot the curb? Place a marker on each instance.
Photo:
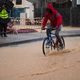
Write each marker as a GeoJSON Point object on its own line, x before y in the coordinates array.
{"type": "Point", "coordinates": [32, 40]}
{"type": "Point", "coordinates": [20, 42]}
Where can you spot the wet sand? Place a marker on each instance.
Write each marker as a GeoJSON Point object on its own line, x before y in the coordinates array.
{"type": "Point", "coordinates": [27, 62]}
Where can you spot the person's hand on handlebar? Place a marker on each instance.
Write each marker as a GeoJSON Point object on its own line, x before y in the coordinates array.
{"type": "Point", "coordinates": [42, 28]}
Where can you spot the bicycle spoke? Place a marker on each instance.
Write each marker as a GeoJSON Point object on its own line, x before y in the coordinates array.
{"type": "Point", "coordinates": [47, 47]}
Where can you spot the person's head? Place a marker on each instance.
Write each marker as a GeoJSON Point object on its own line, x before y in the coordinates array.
{"type": "Point", "coordinates": [48, 10]}
{"type": "Point", "coordinates": [3, 6]}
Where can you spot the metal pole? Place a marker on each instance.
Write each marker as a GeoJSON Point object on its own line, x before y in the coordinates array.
{"type": "Point", "coordinates": [71, 12]}
{"type": "Point", "coordinates": [43, 4]}
{"type": "Point", "coordinates": [74, 3]}
{"type": "Point", "coordinates": [41, 8]}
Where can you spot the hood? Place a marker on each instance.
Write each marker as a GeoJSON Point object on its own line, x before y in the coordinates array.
{"type": "Point", "coordinates": [50, 6]}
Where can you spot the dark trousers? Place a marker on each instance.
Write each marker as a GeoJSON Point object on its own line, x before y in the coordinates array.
{"type": "Point", "coordinates": [3, 29]}
{"type": "Point", "coordinates": [48, 33]}
{"type": "Point", "coordinates": [3, 26]}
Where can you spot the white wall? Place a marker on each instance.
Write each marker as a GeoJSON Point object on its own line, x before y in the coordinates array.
{"type": "Point", "coordinates": [29, 8]}
{"type": "Point", "coordinates": [78, 2]}
{"type": "Point", "coordinates": [22, 19]}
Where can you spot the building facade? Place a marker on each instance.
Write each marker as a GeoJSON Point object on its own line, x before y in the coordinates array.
{"type": "Point", "coordinates": [23, 6]}
{"type": "Point", "coordinates": [70, 9]}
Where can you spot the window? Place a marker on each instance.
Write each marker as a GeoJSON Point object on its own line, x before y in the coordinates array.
{"type": "Point", "coordinates": [67, 4]}
{"type": "Point", "coordinates": [18, 2]}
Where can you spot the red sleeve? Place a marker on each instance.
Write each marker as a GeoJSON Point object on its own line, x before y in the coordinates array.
{"type": "Point", "coordinates": [44, 21]}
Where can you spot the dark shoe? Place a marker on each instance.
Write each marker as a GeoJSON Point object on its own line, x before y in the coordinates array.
{"type": "Point", "coordinates": [55, 45]}
{"type": "Point", "coordinates": [61, 46]}
{"type": "Point", "coordinates": [5, 35]}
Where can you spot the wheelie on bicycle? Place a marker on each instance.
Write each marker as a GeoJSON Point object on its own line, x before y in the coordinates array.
{"type": "Point", "coordinates": [53, 20]}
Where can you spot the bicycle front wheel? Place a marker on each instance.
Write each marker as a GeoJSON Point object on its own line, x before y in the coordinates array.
{"type": "Point", "coordinates": [46, 48]}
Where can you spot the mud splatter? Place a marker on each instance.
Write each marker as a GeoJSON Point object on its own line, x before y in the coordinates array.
{"type": "Point", "coordinates": [45, 72]}
{"type": "Point", "coordinates": [61, 52]}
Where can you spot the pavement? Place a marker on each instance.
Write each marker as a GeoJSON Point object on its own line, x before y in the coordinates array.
{"type": "Point", "coordinates": [20, 38]}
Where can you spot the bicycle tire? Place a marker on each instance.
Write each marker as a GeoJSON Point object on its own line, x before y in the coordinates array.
{"type": "Point", "coordinates": [63, 43]}
{"type": "Point", "coordinates": [44, 46]}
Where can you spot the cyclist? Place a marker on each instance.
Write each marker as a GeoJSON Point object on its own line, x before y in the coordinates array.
{"type": "Point", "coordinates": [56, 22]}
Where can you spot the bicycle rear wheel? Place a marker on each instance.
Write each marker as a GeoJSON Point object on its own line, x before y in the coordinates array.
{"type": "Point", "coordinates": [47, 48]}
{"type": "Point", "coordinates": [63, 43]}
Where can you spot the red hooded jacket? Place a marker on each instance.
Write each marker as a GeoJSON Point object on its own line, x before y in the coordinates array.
{"type": "Point", "coordinates": [55, 17]}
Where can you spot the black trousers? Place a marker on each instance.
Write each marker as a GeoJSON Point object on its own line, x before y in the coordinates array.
{"type": "Point", "coordinates": [48, 33]}
{"type": "Point", "coordinates": [3, 29]}
{"type": "Point", "coordinates": [3, 26]}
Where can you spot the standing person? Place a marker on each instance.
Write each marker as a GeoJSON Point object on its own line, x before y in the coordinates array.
{"type": "Point", "coordinates": [55, 19]}
{"type": "Point", "coordinates": [4, 19]}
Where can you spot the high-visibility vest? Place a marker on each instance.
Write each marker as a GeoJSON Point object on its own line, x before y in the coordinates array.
{"type": "Point", "coordinates": [4, 14]}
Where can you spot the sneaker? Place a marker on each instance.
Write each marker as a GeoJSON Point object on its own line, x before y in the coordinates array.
{"type": "Point", "coordinates": [61, 46]}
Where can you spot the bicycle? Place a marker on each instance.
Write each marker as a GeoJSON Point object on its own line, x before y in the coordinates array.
{"type": "Point", "coordinates": [46, 48]}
